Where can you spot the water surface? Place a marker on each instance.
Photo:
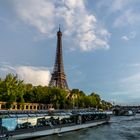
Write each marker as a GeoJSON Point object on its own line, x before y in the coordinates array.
{"type": "Point", "coordinates": [119, 128]}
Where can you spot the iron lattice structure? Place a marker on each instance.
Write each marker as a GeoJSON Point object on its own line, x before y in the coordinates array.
{"type": "Point", "coordinates": [58, 78]}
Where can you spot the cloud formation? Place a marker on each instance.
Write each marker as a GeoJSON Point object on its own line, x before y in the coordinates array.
{"type": "Point", "coordinates": [79, 24]}
{"type": "Point", "coordinates": [125, 12]}
{"type": "Point", "coordinates": [130, 36]}
{"type": "Point", "coordinates": [33, 75]}
{"type": "Point", "coordinates": [128, 17]}
{"type": "Point", "coordinates": [30, 74]}
{"type": "Point", "coordinates": [119, 5]}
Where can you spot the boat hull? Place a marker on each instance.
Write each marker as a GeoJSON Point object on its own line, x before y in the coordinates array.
{"type": "Point", "coordinates": [58, 130]}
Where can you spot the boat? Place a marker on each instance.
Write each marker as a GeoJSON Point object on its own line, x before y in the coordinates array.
{"type": "Point", "coordinates": [123, 112]}
{"type": "Point", "coordinates": [19, 125]}
{"type": "Point", "coordinates": [138, 111]}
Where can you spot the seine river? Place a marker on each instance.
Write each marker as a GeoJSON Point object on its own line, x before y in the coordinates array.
{"type": "Point", "coordinates": [119, 128]}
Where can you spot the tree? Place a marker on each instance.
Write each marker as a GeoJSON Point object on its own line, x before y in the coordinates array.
{"type": "Point", "coordinates": [78, 98]}
{"type": "Point", "coordinates": [28, 93]}
{"type": "Point", "coordinates": [13, 89]}
{"type": "Point", "coordinates": [94, 100]}
{"type": "Point", "coordinates": [58, 97]}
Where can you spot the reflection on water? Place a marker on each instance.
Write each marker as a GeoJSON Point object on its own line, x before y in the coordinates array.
{"type": "Point", "coordinates": [119, 128]}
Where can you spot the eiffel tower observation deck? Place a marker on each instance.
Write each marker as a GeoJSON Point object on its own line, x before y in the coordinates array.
{"type": "Point", "coordinates": [58, 78]}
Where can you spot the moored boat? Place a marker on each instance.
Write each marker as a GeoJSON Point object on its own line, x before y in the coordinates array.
{"type": "Point", "coordinates": [123, 112]}
{"type": "Point", "coordinates": [23, 125]}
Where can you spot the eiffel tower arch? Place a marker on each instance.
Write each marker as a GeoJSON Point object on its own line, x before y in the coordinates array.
{"type": "Point", "coordinates": [58, 78]}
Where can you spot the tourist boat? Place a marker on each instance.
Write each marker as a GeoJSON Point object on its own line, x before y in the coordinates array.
{"type": "Point", "coordinates": [17, 125]}
{"type": "Point", "coordinates": [123, 112]}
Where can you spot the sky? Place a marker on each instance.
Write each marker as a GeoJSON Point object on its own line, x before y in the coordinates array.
{"type": "Point", "coordinates": [101, 46]}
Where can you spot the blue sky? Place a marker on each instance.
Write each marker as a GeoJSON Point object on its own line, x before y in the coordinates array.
{"type": "Point", "coordinates": [100, 44]}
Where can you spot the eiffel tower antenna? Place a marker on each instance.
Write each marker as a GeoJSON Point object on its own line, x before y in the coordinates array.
{"type": "Point", "coordinates": [59, 27]}
{"type": "Point", "coordinates": [58, 78]}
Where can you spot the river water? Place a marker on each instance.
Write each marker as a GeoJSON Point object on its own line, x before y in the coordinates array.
{"type": "Point", "coordinates": [119, 128]}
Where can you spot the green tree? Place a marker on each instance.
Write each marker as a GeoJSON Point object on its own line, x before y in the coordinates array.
{"type": "Point", "coordinates": [78, 98]}
{"type": "Point", "coordinates": [11, 89]}
{"type": "Point", "coordinates": [94, 100]}
{"type": "Point", "coordinates": [58, 97]}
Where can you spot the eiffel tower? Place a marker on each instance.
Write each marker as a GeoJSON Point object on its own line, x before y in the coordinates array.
{"type": "Point", "coordinates": [58, 78]}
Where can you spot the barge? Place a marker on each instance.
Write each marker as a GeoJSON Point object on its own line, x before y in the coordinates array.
{"type": "Point", "coordinates": [19, 125]}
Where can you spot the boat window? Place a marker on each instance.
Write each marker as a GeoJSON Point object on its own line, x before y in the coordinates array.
{"type": "Point", "coordinates": [9, 123]}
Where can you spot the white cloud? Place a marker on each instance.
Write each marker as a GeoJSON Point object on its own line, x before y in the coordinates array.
{"type": "Point", "coordinates": [128, 17]}
{"type": "Point", "coordinates": [125, 38]}
{"type": "Point", "coordinates": [38, 13]}
{"type": "Point", "coordinates": [6, 68]}
{"type": "Point", "coordinates": [128, 14]}
{"type": "Point", "coordinates": [30, 74]}
{"type": "Point", "coordinates": [118, 5]}
{"type": "Point", "coordinates": [130, 36]}
{"type": "Point", "coordinates": [79, 25]}
{"type": "Point", "coordinates": [34, 75]}
{"type": "Point", "coordinates": [123, 12]}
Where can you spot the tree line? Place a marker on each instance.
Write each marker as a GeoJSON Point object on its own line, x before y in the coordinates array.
{"type": "Point", "coordinates": [12, 89]}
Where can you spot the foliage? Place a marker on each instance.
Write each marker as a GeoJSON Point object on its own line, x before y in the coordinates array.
{"type": "Point", "coordinates": [13, 89]}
